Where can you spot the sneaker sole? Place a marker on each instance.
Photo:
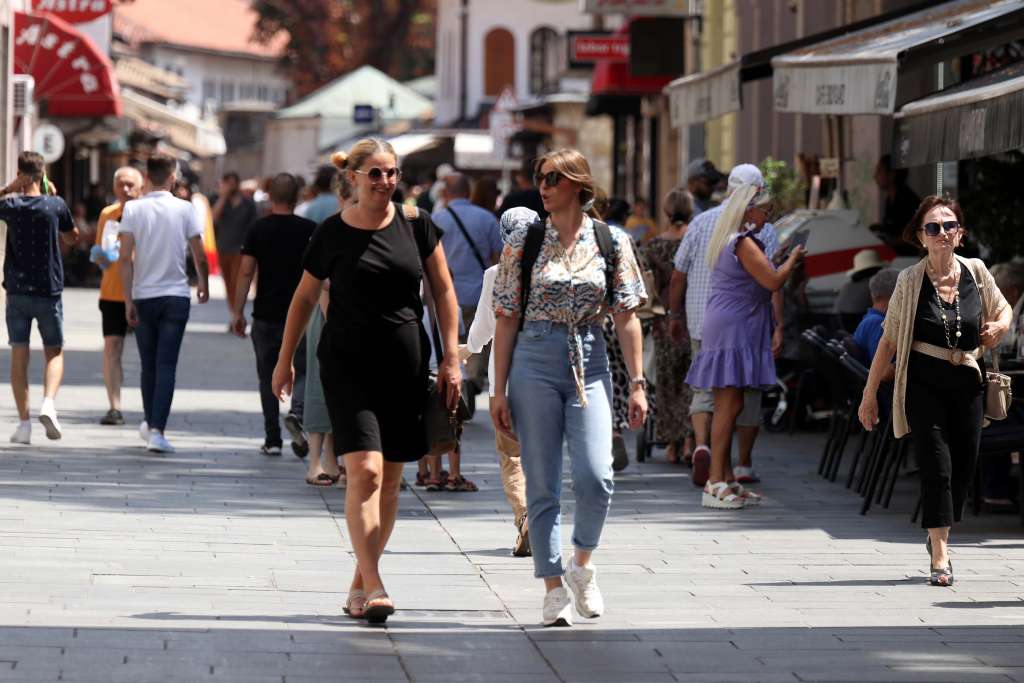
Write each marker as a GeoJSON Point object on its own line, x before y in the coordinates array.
{"type": "Point", "coordinates": [292, 425]}
{"type": "Point", "coordinates": [159, 450]}
{"type": "Point", "coordinates": [560, 622]}
{"type": "Point", "coordinates": [701, 467]}
{"type": "Point", "coordinates": [52, 432]}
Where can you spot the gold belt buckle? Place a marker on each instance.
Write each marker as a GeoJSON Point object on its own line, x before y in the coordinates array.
{"type": "Point", "coordinates": [956, 356]}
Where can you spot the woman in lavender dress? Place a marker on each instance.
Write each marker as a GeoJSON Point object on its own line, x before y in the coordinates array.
{"type": "Point", "coordinates": [737, 350]}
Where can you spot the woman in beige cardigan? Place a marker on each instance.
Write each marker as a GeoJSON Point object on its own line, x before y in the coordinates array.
{"type": "Point", "coordinates": [945, 311]}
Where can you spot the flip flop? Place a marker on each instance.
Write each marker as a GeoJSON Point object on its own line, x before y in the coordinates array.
{"type": "Point", "coordinates": [322, 479]}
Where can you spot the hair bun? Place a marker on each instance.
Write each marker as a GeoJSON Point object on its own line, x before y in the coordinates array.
{"type": "Point", "coordinates": [340, 159]}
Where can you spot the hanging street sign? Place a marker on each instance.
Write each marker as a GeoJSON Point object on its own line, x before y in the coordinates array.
{"type": "Point", "coordinates": [73, 11]}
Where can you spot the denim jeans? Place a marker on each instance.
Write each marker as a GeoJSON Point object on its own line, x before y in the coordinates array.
{"type": "Point", "coordinates": [159, 333]}
{"type": "Point", "coordinates": [266, 342]}
{"type": "Point", "coordinates": [47, 311]}
{"type": "Point", "coordinates": [545, 413]}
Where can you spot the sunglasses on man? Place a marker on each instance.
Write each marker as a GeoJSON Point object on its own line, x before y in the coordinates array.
{"type": "Point", "coordinates": [551, 178]}
{"type": "Point", "coordinates": [933, 229]}
{"type": "Point", "coordinates": [376, 174]}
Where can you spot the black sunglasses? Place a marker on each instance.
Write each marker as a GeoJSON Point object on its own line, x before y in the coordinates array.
{"type": "Point", "coordinates": [933, 229]}
{"type": "Point", "coordinates": [377, 174]}
{"type": "Point", "coordinates": [551, 178]}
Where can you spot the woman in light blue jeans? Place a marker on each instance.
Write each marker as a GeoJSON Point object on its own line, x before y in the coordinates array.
{"type": "Point", "coordinates": [555, 370]}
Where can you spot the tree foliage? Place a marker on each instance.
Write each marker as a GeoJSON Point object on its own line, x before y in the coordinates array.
{"type": "Point", "coordinates": [327, 38]}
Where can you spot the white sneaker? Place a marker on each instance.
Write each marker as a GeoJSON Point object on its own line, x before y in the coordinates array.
{"type": "Point", "coordinates": [583, 584]}
{"type": "Point", "coordinates": [48, 418]}
{"type": "Point", "coordinates": [158, 444]}
{"type": "Point", "coordinates": [557, 608]}
{"type": "Point", "coordinates": [23, 434]}
{"type": "Point", "coordinates": [144, 431]}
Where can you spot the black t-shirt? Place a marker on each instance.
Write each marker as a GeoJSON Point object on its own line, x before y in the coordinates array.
{"type": "Point", "coordinates": [33, 265]}
{"type": "Point", "coordinates": [928, 328]}
{"type": "Point", "coordinates": [278, 243]}
{"type": "Point", "coordinates": [375, 275]}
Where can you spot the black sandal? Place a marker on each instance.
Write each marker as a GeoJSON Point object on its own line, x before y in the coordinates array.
{"type": "Point", "coordinates": [942, 577]}
{"type": "Point", "coordinates": [377, 614]}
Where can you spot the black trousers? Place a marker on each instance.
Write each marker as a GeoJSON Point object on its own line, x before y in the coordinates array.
{"type": "Point", "coordinates": [266, 341]}
{"type": "Point", "coordinates": [945, 428]}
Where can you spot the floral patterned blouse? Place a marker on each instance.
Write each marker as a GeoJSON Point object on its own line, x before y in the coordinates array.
{"type": "Point", "coordinates": [569, 288]}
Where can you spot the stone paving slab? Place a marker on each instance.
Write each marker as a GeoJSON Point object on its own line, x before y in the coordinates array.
{"type": "Point", "coordinates": [219, 564]}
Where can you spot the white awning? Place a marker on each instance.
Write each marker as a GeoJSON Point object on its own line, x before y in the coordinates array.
{"type": "Point", "coordinates": [704, 96]}
{"type": "Point", "coordinates": [410, 143]}
{"type": "Point", "coordinates": [475, 152]}
{"type": "Point", "coordinates": [979, 117]}
{"type": "Point", "coordinates": [857, 73]}
{"type": "Point", "coordinates": [200, 137]}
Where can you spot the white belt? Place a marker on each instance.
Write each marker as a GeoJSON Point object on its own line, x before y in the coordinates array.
{"type": "Point", "coordinates": [953, 356]}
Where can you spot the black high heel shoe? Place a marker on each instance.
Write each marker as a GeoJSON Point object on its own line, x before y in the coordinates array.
{"type": "Point", "coordinates": [939, 577]}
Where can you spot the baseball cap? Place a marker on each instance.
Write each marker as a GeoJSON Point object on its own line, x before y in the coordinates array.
{"type": "Point", "coordinates": [701, 167]}
{"type": "Point", "coordinates": [748, 174]}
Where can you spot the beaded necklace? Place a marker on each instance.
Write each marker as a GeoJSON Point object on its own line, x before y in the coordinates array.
{"type": "Point", "coordinates": [942, 309]}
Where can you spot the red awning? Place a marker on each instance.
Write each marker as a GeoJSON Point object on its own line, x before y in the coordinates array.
{"type": "Point", "coordinates": [73, 77]}
{"type": "Point", "coordinates": [615, 78]}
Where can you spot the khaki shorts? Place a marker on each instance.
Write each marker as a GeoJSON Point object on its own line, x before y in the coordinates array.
{"type": "Point", "coordinates": [704, 402]}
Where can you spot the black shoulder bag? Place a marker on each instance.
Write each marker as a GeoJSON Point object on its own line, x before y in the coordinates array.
{"type": "Point", "coordinates": [442, 427]}
{"type": "Point", "coordinates": [469, 240]}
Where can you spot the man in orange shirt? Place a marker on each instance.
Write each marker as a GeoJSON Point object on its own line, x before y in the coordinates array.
{"type": "Point", "coordinates": [127, 186]}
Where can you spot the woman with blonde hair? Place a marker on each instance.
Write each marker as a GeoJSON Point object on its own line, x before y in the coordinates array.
{"type": "Point", "coordinates": [736, 352]}
{"type": "Point", "coordinates": [374, 351]}
{"type": "Point", "coordinates": [556, 282]}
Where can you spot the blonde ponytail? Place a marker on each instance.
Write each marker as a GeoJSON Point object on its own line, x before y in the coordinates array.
{"type": "Point", "coordinates": [728, 223]}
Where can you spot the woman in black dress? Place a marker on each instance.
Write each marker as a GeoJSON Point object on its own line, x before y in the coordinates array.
{"type": "Point", "coordinates": [374, 351]}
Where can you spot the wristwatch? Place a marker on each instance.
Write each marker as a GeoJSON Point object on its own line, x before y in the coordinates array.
{"type": "Point", "coordinates": [638, 381]}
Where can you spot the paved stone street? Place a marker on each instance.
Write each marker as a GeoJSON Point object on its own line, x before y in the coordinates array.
{"type": "Point", "coordinates": [220, 564]}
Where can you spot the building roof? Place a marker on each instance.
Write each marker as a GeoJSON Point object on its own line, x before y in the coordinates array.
{"type": "Point", "coordinates": [135, 73]}
{"type": "Point", "coordinates": [224, 26]}
{"type": "Point", "coordinates": [365, 85]}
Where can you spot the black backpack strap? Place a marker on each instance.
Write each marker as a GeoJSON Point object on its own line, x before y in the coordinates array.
{"type": "Point", "coordinates": [603, 235]}
{"type": "Point", "coordinates": [531, 250]}
{"type": "Point", "coordinates": [465, 236]}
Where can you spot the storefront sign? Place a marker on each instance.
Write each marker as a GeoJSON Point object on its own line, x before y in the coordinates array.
{"type": "Point", "coordinates": [73, 11]}
{"type": "Point", "coordinates": [589, 48]}
{"type": "Point", "coordinates": [48, 140]}
{"type": "Point", "coordinates": [638, 8]}
{"type": "Point", "coordinates": [836, 89]}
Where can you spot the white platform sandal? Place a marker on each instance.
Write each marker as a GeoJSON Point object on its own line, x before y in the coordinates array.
{"type": "Point", "coordinates": [720, 496]}
{"type": "Point", "coordinates": [750, 499]}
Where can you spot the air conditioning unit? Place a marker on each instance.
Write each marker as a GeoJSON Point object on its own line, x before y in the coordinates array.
{"type": "Point", "coordinates": [24, 94]}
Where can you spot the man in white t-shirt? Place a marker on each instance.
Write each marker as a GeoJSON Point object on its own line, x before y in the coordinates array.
{"type": "Point", "coordinates": [155, 232]}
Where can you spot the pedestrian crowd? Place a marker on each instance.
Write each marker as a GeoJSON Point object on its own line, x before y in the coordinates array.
{"type": "Point", "coordinates": [378, 305]}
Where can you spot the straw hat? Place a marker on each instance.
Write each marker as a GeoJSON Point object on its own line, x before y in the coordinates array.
{"type": "Point", "coordinates": [866, 259]}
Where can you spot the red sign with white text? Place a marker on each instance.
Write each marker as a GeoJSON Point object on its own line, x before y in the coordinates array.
{"type": "Point", "coordinates": [73, 11]}
{"type": "Point", "coordinates": [597, 48]}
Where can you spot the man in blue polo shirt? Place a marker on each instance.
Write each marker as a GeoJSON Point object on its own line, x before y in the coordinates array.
{"type": "Point", "coordinates": [472, 244]}
{"type": "Point", "coordinates": [869, 331]}
{"type": "Point", "coordinates": [37, 222]}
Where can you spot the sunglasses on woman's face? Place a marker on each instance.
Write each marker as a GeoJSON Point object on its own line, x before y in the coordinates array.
{"type": "Point", "coordinates": [551, 178]}
{"type": "Point", "coordinates": [377, 174]}
{"type": "Point", "coordinates": [933, 229]}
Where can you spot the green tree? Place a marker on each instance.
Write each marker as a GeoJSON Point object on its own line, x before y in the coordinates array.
{"type": "Point", "coordinates": [327, 38]}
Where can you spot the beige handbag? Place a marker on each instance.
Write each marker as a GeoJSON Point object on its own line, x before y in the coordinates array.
{"type": "Point", "coordinates": [998, 391]}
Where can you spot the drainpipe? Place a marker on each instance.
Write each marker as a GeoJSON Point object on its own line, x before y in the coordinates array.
{"type": "Point", "coordinates": [463, 59]}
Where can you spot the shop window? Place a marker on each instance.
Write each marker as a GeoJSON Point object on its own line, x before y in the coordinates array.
{"type": "Point", "coordinates": [547, 60]}
{"type": "Point", "coordinates": [499, 61]}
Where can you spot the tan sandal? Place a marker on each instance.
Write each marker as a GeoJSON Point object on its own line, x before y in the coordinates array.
{"type": "Point", "coordinates": [378, 613]}
{"type": "Point", "coordinates": [356, 611]}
